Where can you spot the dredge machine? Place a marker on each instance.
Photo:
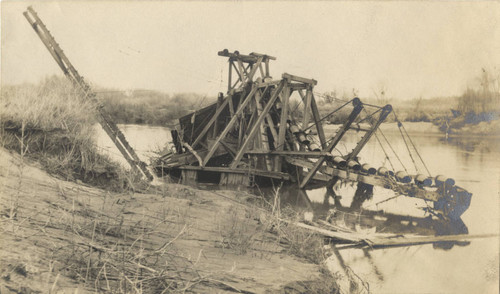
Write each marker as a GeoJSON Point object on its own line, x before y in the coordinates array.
{"type": "Point", "coordinates": [252, 136]}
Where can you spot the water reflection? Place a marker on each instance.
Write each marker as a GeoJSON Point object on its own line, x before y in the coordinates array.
{"type": "Point", "coordinates": [473, 162]}
{"type": "Point", "coordinates": [355, 218]}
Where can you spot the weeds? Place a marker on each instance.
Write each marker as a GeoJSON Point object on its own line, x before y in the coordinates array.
{"type": "Point", "coordinates": [237, 231]}
{"type": "Point", "coordinates": [55, 127]}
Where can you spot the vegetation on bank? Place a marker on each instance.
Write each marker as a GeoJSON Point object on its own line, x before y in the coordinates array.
{"type": "Point", "coordinates": [469, 113]}
{"type": "Point", "coordinates": [149, 107]}
{"type": "Point", "coordinates": [53, 125]}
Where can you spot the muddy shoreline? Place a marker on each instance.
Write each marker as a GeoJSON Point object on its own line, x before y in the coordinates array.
{"type": "Point", "coordinates": [65, 236]}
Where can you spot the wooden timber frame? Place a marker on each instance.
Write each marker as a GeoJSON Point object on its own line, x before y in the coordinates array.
{"type": "Point", "coordinates": [72, 74]}
{"type": "Point", "coordinates": [253, 135]}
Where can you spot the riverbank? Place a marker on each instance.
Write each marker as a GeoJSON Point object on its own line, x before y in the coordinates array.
{"type": "Point", "coordinates": [482, 129]}
{"type": "Point", "coordinates": [64, 236]}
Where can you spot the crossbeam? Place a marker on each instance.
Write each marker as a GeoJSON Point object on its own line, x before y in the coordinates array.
{"type": "Point", "coordinates": [358, 106]}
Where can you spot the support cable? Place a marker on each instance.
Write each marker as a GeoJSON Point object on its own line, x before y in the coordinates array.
{"type": "Point", "coordinates": [393, 151]}
{"type": "Point", "coordinates": [407, 147]}
{"type": "Point", "coordinates": [331, 113]}
{"type": "Point", "coordinates": [413, 144]}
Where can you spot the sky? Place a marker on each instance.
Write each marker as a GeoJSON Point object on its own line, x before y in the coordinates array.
{"type": "Point", "coordinates": [411, 49]}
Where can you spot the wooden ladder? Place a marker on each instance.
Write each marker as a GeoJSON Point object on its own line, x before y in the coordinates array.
{"type": "Point", "coordinates": [72, 74]}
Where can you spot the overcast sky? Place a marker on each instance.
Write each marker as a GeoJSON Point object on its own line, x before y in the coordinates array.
{"type": "Point", "coordinates": [414, 49]}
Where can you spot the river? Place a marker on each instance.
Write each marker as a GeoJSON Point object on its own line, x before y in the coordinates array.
{"type": "Point", "coordinates": [473, 163]}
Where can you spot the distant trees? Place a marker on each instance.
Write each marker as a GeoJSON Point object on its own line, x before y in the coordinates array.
{"type": "Point", "coordinates": [484, 96]}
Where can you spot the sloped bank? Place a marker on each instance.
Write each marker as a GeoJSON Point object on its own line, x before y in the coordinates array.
{"type": "Point", "coordinates": [62, 236]}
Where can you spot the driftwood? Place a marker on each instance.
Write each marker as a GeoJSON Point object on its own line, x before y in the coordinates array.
{"type": "Point", "coordinates": [418, 240]}
{"type": "Point", "coordinates": [383, 240]}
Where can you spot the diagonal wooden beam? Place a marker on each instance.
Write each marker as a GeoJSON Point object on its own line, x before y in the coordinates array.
{"type": "Point", "coordinates": [358, 106]}
{"type": "Point", "coordinates": [307, 105]}
{"type": "Point", "coordinates": [386, 110]}
{"type": "Point", "coordinates": [317, 121]}
{"type": "Point", "coordinates": [228, 127]}
{"type": "Point", "coordinates": [240, 77]}
{"type": "Point", "coordinates": [316, 117]}
{"type": "Point", "coordinates": [255, 66]}
{"type": "Point", "coordinates": [212, 120]}
{"type": "Point", "coordinates": [256, 126]}
{"type": "Point", "coordinates": [231, 106]}
{"type": "Point", "coordinates": [270, 123]}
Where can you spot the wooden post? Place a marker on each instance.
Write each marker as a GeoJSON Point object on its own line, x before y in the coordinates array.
{"type": "Point", "coordinates": [307, 105]}
{"type": "Point", "coordinates": [283, 122]}
{"type": "Point", "coordinates": [256, 125]}
{"type": "Point", "coordinates": [211, 121]}
{"type": "Point", "coordinates": [220, 100]}
{"type": "Point", "coordinates": [255, 66]}
{"type": "Point", "coordinates": [230, 75]}
{"type": "Point", "coordinates": [358, 106]}
{"type": "Point", "coordinates": [317, 118]}
{"type": "Point", "coordinates": [242, 106]}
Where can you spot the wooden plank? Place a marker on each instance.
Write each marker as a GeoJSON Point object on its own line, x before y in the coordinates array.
{"type": "Point", "coordinates": [340, 133]}
{"type": "Point", "coordinates": [386, 110]}
{"type": "Point", "coordinates": [299, 79]}
{"type": "Point", "coordinates": [290, 153]}
{"type": "Point", "coordinates": [211, 121]}
{"type": "Point", "coordinates": [307, 105]}
{"type": "Point", "coordinates": [255, 66]}
{"type": "Point", "coordinates": [264, 55]}
{"type": "Point", "coordinates": [258, 172]}
{"type": "Point", "coordinates": [252, 57]}
{"type": "Point", "coordinates": [261, 70]}
{"type": "Point", "coordinates": [264, 141]}
{"type": "Point", "coordinates": [240, 77]}
{"type": "Point", "coordinates": [188, 147]}
{"type": "Point", "coordinates": [268, 84]}
{"type": "Point", "coordinates": [231, 107]}
{"type": "Point", "coordinates": [354, 238]}
{"type": "Point", "coordinates": [317, 122]}
{"type": "Point", "coordinates": [270, 123]}
{"type": "Point", "coordinates": [283, 122]}
{"type": "Point", "coordinates": [241, 107]}
{"type": "Point", "coordinates": [418, 240]}
{"type": "Point", "coordinates": [296, 87]}
{"type": "Point", "coordinates": [230, 76]}
{"type": "Point", "coordinates": [228, 147]}
{"type": "Point", "coordinates": [256, 126]}
{"type": "Point", "coordinates": [242, 70]}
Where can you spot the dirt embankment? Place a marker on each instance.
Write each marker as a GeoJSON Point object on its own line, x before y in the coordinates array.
{"type": "Point", "coordinates": [62, 236]}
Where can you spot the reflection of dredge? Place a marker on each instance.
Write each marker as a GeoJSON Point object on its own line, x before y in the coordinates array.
{"type": "Point", "coordinates": [353, 219]}
{"type": "Point", "coordinates": [252, 136]}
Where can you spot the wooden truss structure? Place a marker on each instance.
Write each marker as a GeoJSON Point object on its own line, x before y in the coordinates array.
{"type": "Point", "coordinates": [254, 135]}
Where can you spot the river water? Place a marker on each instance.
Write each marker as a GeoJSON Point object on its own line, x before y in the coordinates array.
{"type": "Point", "coordinates": [473, 163]}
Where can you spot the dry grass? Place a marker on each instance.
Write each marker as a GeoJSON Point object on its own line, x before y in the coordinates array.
{"type": "Point", "coordinates": [51, 123]}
